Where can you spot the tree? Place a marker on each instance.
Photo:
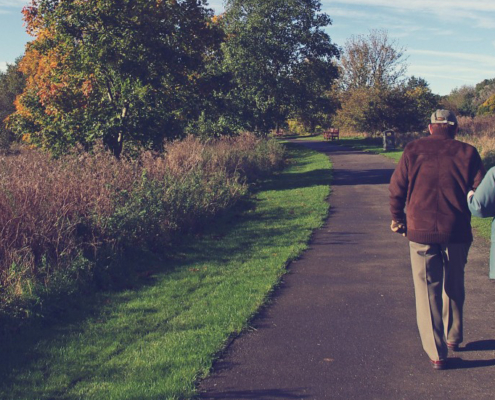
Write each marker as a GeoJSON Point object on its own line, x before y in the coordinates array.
{"type": "Point", "coordinates": [128, 71]}
{"type": "Point", "coordinates": [462, 101]}
{"type": "Point", "coordinates": [374, 92]}
{"type": "Point", "coordinates": [488, 107]}
{"type": "Point", "coordinates": [406, 107]}
{"type": "Point", "coordinates": [278, 57]}
{"type": "Point", "coordinates": [419, 103]}
{"type": "Point", "coordinates": [370, 109]}
{"type": "Point", "coordinates": [12, 83]}
{"type": "Point", "coordinates": [372, 61]}
{"type": "Point", "coordinates": [484, 91]}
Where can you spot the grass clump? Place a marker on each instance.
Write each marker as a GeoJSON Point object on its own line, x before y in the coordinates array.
{"type": "Point", "coordinates": [154, 341]}
{"type": "Point", "coordinates": [67, 221]}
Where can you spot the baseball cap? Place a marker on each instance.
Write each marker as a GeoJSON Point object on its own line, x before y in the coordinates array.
{"type": "Point", "coordinates": [443, 117]}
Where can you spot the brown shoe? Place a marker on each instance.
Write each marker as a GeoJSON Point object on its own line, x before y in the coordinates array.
{"type": "Point", "coordinates": [441, 364]}
{"type": "Point", "coordinates": [453, 346]}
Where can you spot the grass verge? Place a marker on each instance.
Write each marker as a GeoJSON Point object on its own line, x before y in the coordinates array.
{"type": "Point", "coordinates": [156, 339]}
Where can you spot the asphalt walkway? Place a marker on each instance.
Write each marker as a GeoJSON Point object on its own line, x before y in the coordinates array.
{"type": "Point", "coordinates": [342, 325]}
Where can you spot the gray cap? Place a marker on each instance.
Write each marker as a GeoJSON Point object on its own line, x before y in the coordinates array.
{"type": "Point", "coordinates": [443, 117]}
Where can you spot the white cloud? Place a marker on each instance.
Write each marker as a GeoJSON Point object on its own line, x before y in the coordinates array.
{"type": "Point", "coordinates": [12, 6]}
{"type": "Point", "coordinates": [475, 10]}
{"type": "Point", "coordinates": [473, 59]}
{"type": "Point", "coordinates": [3, 66]}
{"type": "Point", "coordinates": [13, 3]}
{"type": "Point", "coordinates": [461, 72]}
{"type": "Point", "coordinates": [440, 6]}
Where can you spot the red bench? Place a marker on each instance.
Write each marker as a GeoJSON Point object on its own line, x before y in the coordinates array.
{"type": "Point", "coordinates": [331, 134]}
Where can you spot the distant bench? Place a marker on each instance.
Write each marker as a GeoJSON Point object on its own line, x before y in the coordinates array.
{"type": "Point", "coordinates": [331, 134]}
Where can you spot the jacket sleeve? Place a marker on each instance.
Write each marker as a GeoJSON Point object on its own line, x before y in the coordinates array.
{"type": "Point", "coordinates": [398, 189]}
{"type": "Point", "coordinates": [482, 203]}
{"type": "Point", "coordinates": [479, 171]}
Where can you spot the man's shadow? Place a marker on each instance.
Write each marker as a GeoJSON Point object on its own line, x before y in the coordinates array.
{"type": "Point", "coordinates": [481, 345]}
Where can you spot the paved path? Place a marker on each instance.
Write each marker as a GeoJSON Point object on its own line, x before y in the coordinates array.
{"type": "Point", "coordinates": [342, 325]}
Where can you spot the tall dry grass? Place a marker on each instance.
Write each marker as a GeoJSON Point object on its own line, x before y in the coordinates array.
{"type": "Point", "coordinates": [479, 132]}
{"type": "Point", "coordinates": [58, 216]}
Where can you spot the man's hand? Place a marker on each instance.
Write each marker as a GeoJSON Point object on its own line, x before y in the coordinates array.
{"type": "Point", "coordinates": [470, 194]}
{"type": "Point", "coordinates": [399, 227]}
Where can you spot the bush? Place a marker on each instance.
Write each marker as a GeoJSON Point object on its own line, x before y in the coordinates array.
{"type": "Point", "coordinates": [61, 218]}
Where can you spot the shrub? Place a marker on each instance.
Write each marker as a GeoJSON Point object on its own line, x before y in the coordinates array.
{"type": "Point", "coordinates": [62, 217]}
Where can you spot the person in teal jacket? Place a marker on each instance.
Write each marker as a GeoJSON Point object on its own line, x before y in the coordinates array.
{"type": "Point", "coordinates": [482, 204]}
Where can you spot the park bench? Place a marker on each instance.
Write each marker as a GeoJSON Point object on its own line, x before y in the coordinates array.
{"type": "Point", "coordinates": [331, 134]}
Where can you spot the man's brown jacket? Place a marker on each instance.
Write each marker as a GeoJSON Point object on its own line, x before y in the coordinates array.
{"type": "Point", "coordinates": [433, 178]}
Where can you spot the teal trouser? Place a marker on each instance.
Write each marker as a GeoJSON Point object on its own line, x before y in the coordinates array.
{"type": "Point", "coordinates": [438, 274]}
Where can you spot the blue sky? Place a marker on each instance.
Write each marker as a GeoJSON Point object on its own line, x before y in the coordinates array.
{"type": "Point", "coordinates": [449, 43]}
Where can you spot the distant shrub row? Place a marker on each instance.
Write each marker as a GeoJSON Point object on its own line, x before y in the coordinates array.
{"type": "Point", "coordinates": [480, 132]}
{"type": "Point", "coordinates": [61, 218]}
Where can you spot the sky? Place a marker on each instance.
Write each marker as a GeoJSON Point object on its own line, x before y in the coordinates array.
{"type": "Point", "coordinates": [449, 43]}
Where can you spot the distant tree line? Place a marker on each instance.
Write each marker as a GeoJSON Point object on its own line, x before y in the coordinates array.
{"type": "Point", "coordinates": [471, 101]}
{"type": "Point", "coordinates": [133, 73]}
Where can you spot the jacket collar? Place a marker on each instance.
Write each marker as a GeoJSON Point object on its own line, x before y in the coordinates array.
{"type": "Point", "coordinates": [441, 136]}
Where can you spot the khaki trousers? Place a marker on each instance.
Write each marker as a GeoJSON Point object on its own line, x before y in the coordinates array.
{"type": "Point", "coordinates": [438, 275]}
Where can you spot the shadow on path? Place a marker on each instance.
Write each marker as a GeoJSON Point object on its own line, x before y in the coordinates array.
{"type": "Point", "coordinates": [297, 393]}
{"type": "Point", "coordinates": [362, 177]}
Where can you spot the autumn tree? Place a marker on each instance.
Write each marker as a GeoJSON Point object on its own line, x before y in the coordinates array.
{"type": "Point", "coordinates": [488, 106]}
{"type": "Point", "coordinates": [127, 71]}
{"type": "Point", "coordinates": [278, 57]}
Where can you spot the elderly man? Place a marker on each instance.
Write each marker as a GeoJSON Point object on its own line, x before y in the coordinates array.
{"type": "Point", "coordinates": [432, 179]}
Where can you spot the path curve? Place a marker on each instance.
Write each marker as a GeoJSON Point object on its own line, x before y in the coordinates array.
{"type": "Point", "coordinates": [342, 325]}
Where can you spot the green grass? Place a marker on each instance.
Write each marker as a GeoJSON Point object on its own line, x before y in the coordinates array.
{"type": "Point", "coordinates": [482, 226]}
{"type": "Point", "coordinates": [372, 145]}
{"type": "Point", "coordinates": [156, 339]}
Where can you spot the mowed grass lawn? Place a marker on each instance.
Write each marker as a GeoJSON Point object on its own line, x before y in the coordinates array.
{"type": "Point", "coordinates": [156, 339]}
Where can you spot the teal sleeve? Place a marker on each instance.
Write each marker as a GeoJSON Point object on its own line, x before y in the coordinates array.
{"type": "Point", "coordinates": [482, 203]}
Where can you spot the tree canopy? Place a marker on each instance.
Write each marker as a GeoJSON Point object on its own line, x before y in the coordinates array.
{"type": "Point", "coordinates": [375, 93]}
{"type": "Point", "coordinates": [279, 58]}
{"type": "Point", "coordinates": [372, 61]}
{"type": "Point", "coordinates": [11, 85]}
{"type": "Point", "coordinates": [124, 71]}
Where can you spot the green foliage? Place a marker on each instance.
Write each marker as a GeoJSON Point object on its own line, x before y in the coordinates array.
{"type": "Point", "coordinates": [89, 210]}
{"type": "Point", "coordinates": [125, 72]}
{"type": "Point", "coordinates": [279, 60]}
{"type": "Point", "coordinates": [374, 94]}
{"type": "Point", "coordinates": [419, 103]}
{"type": "Point", "coordinates": [462, 101]}
{"type": "Point", "coordinates": [471, 101]}
{"type": "Point", "coordinates": [12, 83]}
{"type": "Point", "coordinates": [488, 107]}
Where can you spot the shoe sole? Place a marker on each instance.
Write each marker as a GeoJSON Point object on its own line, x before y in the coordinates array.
{"type": "Point", "coordinates": [437, 365]}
